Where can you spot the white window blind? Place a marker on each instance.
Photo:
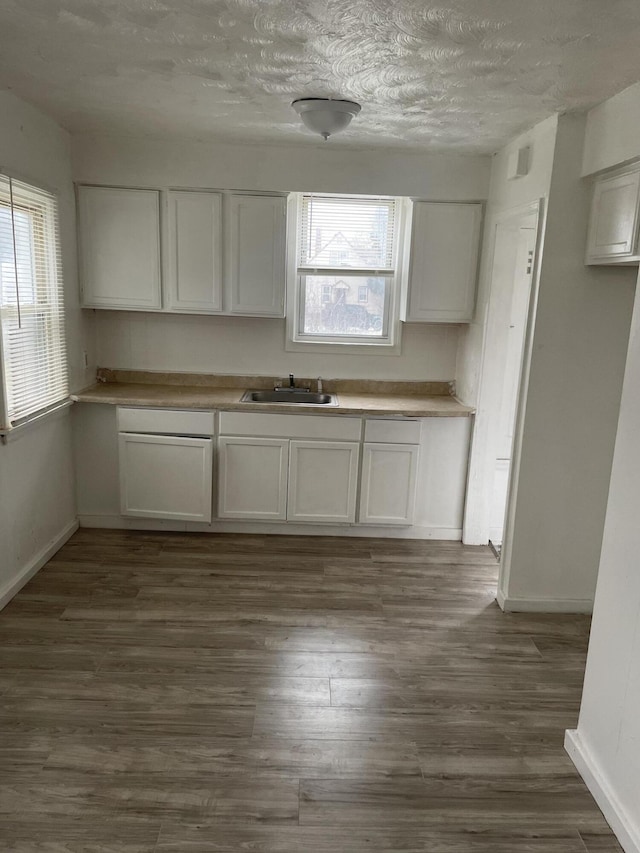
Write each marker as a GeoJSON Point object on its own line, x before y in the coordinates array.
{"type": "Point", "coordinates": [354, 233]}
{"type": "Point", "coordinates": [32, 335]}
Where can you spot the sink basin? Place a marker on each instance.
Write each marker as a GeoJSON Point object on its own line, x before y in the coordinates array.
{"type": "Point", "coordinates": [297, 396]}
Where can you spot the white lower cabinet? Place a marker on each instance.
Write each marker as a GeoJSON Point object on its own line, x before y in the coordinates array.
{"type": "Point", "coordinates": [323, 479]}
{"type": "Point", "coordinates": [252, 478]}
{"type": "Point", "coordinates": [270, 468]}
{"type": "Point", "coordinates": [166, 477]}
{"type": "Point", "coordinates": [288, 467]}
{"type": "Point", "coordinates": [388, 490]}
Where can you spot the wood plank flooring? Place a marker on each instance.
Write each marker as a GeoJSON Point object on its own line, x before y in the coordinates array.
{"type": "Point", "coordinates": [162, 693]}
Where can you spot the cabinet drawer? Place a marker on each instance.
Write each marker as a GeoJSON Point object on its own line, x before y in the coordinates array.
{"type": "Point", "coordinates": [165, 421]}
{"type": "Point", "coordinates": [393, 432]}
{"type": "Point", "coordinates": [290, 426]}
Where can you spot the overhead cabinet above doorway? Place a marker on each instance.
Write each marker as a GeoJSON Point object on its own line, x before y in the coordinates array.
{"type": "Point", "coordinates": [614, 226]}
{"type": "Point", "coordinates": [186, 251]}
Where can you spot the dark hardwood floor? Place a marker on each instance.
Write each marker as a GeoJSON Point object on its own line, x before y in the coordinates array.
{"type": "Point", "coordinates": [170, 693]}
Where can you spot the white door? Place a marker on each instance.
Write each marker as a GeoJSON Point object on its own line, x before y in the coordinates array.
{"type": "Point", "coordinates": [388, 484]}
{"type": "Point", "coordinates": [614, 219]}
{"type": "Point", "coordinates": [525, 238]}
{"type": "Point", "coordinates": [323, 480]}
{"type": "Point", "coordinates": [194, 252]}
{"type": "Point", "coordinates": [252, 478]}
{"type": "Point", "coordinates": [166, 476]}
{"type": "Point", "coordinates": [119, 232]}
{"type": "Point", "coordinates": [256, 255]}
{"type": "Point", "coordinates": [445, 240]}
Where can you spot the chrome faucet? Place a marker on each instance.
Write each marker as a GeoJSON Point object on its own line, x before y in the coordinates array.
{"type": "Point", "coordinates": [319, 384]}
{"type": "Point", "coordinates": [292, 381]}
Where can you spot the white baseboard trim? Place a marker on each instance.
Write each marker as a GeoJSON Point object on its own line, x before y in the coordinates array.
{"type": "Point", "coordinates": [543, 605]}
{"type": "Point", "coordinates": [119, 522]}
{"type": "Point", "coordinates": [9, 589]}
{"type": "Point", "coordinates": [626, 831]}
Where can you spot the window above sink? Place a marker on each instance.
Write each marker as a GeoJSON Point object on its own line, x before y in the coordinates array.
{"type": "Point", "coordinates": [347, 271]}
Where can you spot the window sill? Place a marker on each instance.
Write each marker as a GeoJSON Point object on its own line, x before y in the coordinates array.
{"type": "Point", "coordinates": [13, 433]}
{"type": "Point", "coordinates": [346, 348]}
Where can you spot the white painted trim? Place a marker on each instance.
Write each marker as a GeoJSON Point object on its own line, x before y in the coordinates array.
{"type": "Point", "coordinates": [392, 344]}
{"type": "Point", "coordinates": [15, 432]}
{"type": "Point", "coordinates": [511, 604]}
{"type": "Point", "coordinates": [35, 564]}
{"type": "Point", "coordinates": [626, 830]}
{"type": "Point", "coordinates": [283, 528]}
{"type": "Point", "coordinates": [481, 458]}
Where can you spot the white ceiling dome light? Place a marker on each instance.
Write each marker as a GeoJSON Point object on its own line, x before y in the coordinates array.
{"type": "Point", "coordinates": [326, 115]}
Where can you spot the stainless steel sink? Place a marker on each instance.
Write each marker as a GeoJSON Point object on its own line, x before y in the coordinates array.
{"type": "Point", "coordinates": [297, 396]}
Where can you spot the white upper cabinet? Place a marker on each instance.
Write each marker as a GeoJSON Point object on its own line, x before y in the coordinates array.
{"type": "Point", "coordinates": [194, 252]}
{"type": "Point", "coordinates": [445, 239]}
{"type": "Point", "coordinates": [119, 233]}
{"type": "Point", "coordinates": [613, 227]}
{"type": "Point", "coordinates": [256, 254]}
{"type": "Point", "coordinates": [222, 253]}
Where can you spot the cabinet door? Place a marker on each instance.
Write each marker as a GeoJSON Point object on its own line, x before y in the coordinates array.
{"type": "Point", "coordinates": [166, 476]}
{"type": "Point", "coordinates": [445, 239]}
{"type": "Point", "coordinates": [194, 254]}
{"type": "Point", "coordinates": [614, 219]}
{"type": "Point", "coordinates": [119, 232]}
{"type": "Point", "coordinates": [252, 478]}
{"type": "Point", "coordinates": [323, 479]}
{"type": "Point", "coordinates": [388, 484]}
{"type": "Point", "coordinates": [256, 255]}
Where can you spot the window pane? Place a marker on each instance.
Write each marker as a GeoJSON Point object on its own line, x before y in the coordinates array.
{"type": "Point", "coordinates": [22, 259]}
{"type": "Point", "coordinates": [31, 307]}
{"type": "Point", "coordinates": [336, 305]}
{"type": "Point", "coordinates": [347, 232]}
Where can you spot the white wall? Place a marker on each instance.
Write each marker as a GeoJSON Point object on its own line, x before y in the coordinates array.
{"type": "Point", "coordinates": [37, 500]}
{"type": "Point", "coordinates": [571, 403]}
{"type": "Point", "coordinates": [323, 168]}
{"type": "Point", "coordinates": [606, 746]}
{"type": "Point", "coordinates": [504, 195]}
{"type": "Point", "coordinates": [613, 130]}
{"type": "Point", "coordinates": [236, 345]}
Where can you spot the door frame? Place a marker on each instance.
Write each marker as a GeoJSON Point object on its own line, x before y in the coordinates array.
{"type": "Point", "coordinates": [484, 441]}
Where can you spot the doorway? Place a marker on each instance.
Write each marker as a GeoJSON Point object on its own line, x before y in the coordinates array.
{"type": "Point", "coordinates": [508, 311]}
{"type": "Point", "coordinates": [519, 274]}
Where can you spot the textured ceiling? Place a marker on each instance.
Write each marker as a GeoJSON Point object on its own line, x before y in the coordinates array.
{"type": "Point", "coordinates": [466, 73]}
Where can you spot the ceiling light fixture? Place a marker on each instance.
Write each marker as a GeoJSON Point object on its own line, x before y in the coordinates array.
{"type": "Point", "coordinates": [326, 115]}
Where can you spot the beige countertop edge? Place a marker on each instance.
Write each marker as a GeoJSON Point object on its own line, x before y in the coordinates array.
{"type": "Point", "coordinates": [155, 396]}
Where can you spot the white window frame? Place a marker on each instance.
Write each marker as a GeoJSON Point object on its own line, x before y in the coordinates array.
{"type": "Point", "coordinates": [51, 249]}
{"type": "Point", "coordinates": [390, 343]}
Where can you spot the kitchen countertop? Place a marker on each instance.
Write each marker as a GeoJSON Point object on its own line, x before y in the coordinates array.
{"type": "Point", "coordinates": [193, 391]}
